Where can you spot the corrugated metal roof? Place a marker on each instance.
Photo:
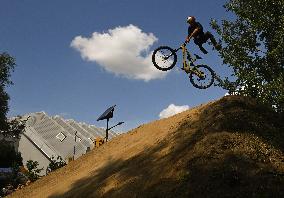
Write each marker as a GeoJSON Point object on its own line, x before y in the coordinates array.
{"type": "Point", "coordinates": [48, 129]}
{"type": "Point", "coordinates": [103, 131]}
{"type": "Point", "coordinates": [55, 136]}
{"type": "Point", "coordinates": [91, 130]}
{"type": "Point", "coordinates": [84, 143]}
{"type": "Point", "coordinates": [81, 130]}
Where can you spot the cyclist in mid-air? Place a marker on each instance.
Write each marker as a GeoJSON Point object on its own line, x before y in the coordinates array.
{"type": "Point", "coordinates": [195, 30]}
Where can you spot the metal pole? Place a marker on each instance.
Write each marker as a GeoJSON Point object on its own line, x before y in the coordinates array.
{"type": "Point", "coordinates": [107, 130]}
{"type": "Point", "coordinates": [74, 152]}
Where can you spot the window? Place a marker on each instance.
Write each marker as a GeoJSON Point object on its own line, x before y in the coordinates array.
{"type": "Point", "coordinates": [61, 136]}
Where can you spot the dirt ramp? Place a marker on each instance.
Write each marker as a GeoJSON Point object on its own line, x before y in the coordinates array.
{"type": "Point", "coordinates": [232, 147]}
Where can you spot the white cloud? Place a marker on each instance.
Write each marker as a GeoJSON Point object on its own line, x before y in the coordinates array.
{"type": "Point", "coordinates": [172, 110]}
{"type": "Point", "coordinates": [123, 51]}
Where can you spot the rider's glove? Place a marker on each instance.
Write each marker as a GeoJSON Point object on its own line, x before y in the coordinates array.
{"type": "Point", "coordinates": [187, 39]}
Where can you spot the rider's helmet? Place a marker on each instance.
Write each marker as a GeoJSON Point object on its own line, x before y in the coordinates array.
{"type": "Point", "coordinates": [190, 19]}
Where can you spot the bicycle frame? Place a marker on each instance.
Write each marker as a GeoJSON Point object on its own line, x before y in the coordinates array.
{"type": "Point", "coordinates": [188, 61]}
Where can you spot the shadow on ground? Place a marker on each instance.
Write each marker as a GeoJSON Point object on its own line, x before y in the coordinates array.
{"type": "Point", "coordinates": [234, 149]}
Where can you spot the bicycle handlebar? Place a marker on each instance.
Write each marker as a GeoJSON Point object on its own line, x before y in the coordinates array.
{"type": "Point", "coordinates": [184, 44]}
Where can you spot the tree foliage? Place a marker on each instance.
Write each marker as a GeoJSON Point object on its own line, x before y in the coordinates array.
{"type": "Point", "coordinates": [8, 155]}
{"type": "Point", "coordinates": [12, 127]}
{"type": "Point", "coordinates": [253, 47]}
{"type": "Point", "coordinates": [7, 65]}
{"type": "Point", "coordinates": [33, 170]}
{"type": "Point", "coordinates": [16, 126]}
{"type": "Point", "coordinates": [55, 164]}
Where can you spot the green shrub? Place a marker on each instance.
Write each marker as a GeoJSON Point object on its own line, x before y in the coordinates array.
{"type": "Point", "coordinates": [33, 170]}
{"type": "Point", "coordinates": [55, 164]}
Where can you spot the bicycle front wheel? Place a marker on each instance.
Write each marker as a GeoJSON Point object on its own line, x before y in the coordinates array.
{"type": "Point", "coordinates": [202, 76]}
{"type": "Point", "coordinates": [164, 58]}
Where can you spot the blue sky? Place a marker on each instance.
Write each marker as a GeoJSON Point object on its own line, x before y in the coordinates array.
{"type": "Point", "coordinates": [77, 58]}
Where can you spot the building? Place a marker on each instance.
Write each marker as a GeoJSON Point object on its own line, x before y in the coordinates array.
{"type": "Point", "coordinates": [45, 137]}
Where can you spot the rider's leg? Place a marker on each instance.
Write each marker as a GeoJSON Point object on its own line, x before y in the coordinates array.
{"type": "Point", "coordinates": [202, 49]}
{"type": "Point", "coordinates": [207, 36]}
{"type": "Point", "coordinates": [199, 43]}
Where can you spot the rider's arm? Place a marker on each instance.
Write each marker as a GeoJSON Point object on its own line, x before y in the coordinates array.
{"type": "Point", "coordinates": [195, 31]}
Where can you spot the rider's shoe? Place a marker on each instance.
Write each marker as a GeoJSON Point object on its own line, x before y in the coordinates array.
{"type": "Point", "coordinates": [203, 50]}
{"type": "Point", "coordinates": [218, 47]}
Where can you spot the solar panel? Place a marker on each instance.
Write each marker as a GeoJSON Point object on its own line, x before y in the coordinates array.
{"type": "Point", "coordinates": [107, 114]}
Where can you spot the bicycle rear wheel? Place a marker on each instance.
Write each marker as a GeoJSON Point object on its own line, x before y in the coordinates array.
{"type": "Point", "coordinates": [164, 58]}
{"type": "Point", "coordinates": [205, 79]}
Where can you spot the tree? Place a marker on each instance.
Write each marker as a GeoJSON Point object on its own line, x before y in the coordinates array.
{"type": "Point", "coordinates": [12, 127]}
{"type": "Point", "coordinates": [8, 155]}
{"type": "Point", "coordinates": [16, 126]}
{"type": "Point", "coordinates": [253, 47]}
{"type": "Point", "coordinates": [55, 164]}
{"type": "Point", "coordinates": [7, 65]}
{"type": "Point", "coordinates": [33, 170]}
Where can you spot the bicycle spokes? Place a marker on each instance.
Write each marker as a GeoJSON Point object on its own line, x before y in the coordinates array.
{"type": "Point", "coordinates": [202, 76]}
{"type": "Point", "coordinates": [164, 57]}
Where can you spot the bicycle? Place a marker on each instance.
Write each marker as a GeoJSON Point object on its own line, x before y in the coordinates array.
{"type": "Point", "coordinates": [165, 58]}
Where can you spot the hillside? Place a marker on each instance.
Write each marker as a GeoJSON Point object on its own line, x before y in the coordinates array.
{"type": "Point", "coordinates": [232, 147]}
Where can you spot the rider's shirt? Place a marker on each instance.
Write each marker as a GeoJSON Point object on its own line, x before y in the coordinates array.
{"type": "Point", "coordinates": [191, 28]}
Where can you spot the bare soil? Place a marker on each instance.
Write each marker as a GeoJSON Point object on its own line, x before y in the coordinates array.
{"type": "Point", "coordinates": [232, 147]}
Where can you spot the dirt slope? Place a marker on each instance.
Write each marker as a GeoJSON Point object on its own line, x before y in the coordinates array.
{"type": "Point", "coordinates": [232, 147]}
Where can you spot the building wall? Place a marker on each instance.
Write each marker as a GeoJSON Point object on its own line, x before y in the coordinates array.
{"type": "Point", "coordinates": [30, 152]}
